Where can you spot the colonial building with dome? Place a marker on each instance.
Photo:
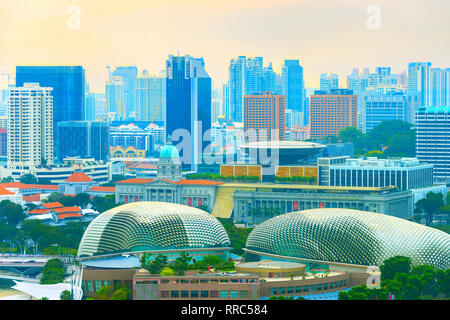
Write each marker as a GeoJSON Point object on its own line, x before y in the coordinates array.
{"type": "Point", "coordinates": [169, 184]}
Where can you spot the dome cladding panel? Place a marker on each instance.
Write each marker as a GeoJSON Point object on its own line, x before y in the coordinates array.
{"type": "Point", "coordinates": [149, 226]}
{"type": "Point", "coordinates": [350, 236]}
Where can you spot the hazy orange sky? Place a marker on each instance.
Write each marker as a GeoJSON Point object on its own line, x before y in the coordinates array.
{"type": "Point", "coordinates": [325, 35]}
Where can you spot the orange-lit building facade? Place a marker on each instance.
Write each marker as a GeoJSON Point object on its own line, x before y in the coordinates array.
{"type": "Point", "coordinates": [265, 111]}
{"type": "Point", "coordinates": [332, 112]}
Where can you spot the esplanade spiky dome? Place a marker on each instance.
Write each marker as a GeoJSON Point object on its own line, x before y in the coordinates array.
{"type": "Point", "coordinates": [349, 236]}
{"type": "Point", "coordinates": [149, 226]}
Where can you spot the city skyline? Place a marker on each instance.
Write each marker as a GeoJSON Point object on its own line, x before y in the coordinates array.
{"type": "Point", "coordinates": [141, 34]}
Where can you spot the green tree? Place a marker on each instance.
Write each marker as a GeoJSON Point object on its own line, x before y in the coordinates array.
{"type": "Point", "coordinates": [82, 199]}
{"type": "Point", "coordinates": [11, 212]}
{"type": "Point", "coordinates": [7, 231]}
{"type": "Point", "coordinates": [105, 293]}
{"type": "Point", "coordinates": [121, 294]}
{"type": "Point", "coordinates": [53, 272]}
{"type": "Point", "coordinates": [394, 265]}
{"type": "Point", "coordinates": [102, 204]}
{"type": "Point", "coordinates": [430, 205]}
{"type": "Point", "coordinates": [238, 236]}
{"type": "Point", "coordinates": [166, 271]}
{"type": "Point", "coordinates": [66, 295]}
{"type": "Point", "coordinates": [28, 179]}
{"type": "Point", "coordinates": [153, 266]}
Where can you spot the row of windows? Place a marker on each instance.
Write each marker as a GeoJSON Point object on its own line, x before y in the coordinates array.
{"type": "Point", "coordinates": [223, 294]}
{"type": "Point", "coordinates": [94, 286]}
{"type": "Point", "coordinates": [308, 288]}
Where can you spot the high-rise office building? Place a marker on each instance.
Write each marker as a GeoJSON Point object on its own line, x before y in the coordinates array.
{"type": "Point", "coordinates": [68, 83]}
{"type": "Point", "coordinates": [236, 83]}
{"type": "Point", "coordinates": [419, 83]}
{"type": "Point", "coordinates": [115, 96]}
{"type": "Point", "coordinates": [150, 97]}
{"type": "Point", "coordinates": [188, 105]}
{"type": "Point", "coordinates": [332, 111]}
{"type": "Point", "coordinates": [268, 82]}
{"type": "Point", "coordinates": [129, 75]}
{"type": "Point", "coordinates": [226, 101]}
{"type": "Point", "coordinates": [90, 106]}
{"type": "Point", "coordinates": [3, 142]}
{"type": "Point", "coordinates": [216, 99]}
{"type": "Point", "coordinates": [265, 113]}
{"type": "Point", "coordinates": [433, 139]}
{"type": "Point", "coordinates": [384, 106]}
{"type": "Point", "coordinates": [293, 87]}
{"type": "Point", "coordinates": [329, 82]}
{"type": "Point", "coordinates": [440, 87]}
{"type": "Point", "coordinates": [30, 126]}
{"type": "Point", "coordinates": [248, 76]}
{"type": "Point", "coordinates": [85, 139]}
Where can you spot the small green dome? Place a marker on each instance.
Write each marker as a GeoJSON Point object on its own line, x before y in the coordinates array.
{"type": "Point", "coordinates": [169, 151]}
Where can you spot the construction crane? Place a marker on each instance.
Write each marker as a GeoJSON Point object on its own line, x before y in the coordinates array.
{"type": "Point", "coordinates": [154, 115]}
{"type": "Point", "coordinates": [108, 66]}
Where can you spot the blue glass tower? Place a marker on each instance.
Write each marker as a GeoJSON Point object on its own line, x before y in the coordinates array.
{"type": "Point", "coordinates": [188, 104]}
{"type": "Point", "coordinates": [129, 76]}
{"type": "Point", "coordinates": [293, 85]}
{"type": "Point", "coordinates": [68, 85]}
{"type": "Point", "coordinates": [85, 139]}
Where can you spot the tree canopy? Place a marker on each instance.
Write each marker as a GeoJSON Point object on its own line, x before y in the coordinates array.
{"type": "Point", "coordinates": [394, 138]}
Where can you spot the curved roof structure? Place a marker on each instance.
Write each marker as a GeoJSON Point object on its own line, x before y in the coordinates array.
{"type": "Point", "coordinates": [351, 237]}
{"type": "Point", "coordinates": [148, 226]}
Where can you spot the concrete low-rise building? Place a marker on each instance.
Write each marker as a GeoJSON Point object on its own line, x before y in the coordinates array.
{"type": "Point", "coordinates": [404, 173]}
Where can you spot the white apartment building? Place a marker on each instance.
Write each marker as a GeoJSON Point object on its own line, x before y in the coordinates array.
{"type": "Point", "coordinates": [30, 126]}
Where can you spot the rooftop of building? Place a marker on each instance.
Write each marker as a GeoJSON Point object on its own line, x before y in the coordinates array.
{"type": "Point", "coordinates": [375, 162]}
{"type": "Point", "coordinates": [52, 205]}
{"type": "Point", "coordinates": [434, 109]}
{"type": "Point", "coordinates": [102, 189]}
{"type": "Point", "coordinates": [180, 182]}
{"type": "Point", "coordinates": [5, 192]}
{"type": "Point", "coordinates": [79, 177]}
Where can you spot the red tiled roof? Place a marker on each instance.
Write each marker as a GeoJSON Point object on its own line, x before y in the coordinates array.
{"type": "Point", "coordinates": [39, 211]}
{"type": "Point", "coordinates": [170, 181]}
{"type": "Point", "coordinates": [5, 192]}
{"type": "Point", "coordinates": [52, 205]}
{"type": "Point", "coordinates": [135, 180]}
{"type": "Point", "coordinates": [32, 198]}
{"type": "Point", "coordinates": [67, 209]}
{"type": "Point", "coordinates": [79, 177]}
{"type": "Point", "coordinates": [69, 215]}
{"type": "Point", "coordinates": [103, 189]}
{"type": "Point", "coordinates": [200, 182]}
{"type": "Point", "coordinates": [18, 185]}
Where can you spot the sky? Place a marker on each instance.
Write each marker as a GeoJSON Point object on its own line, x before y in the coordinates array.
{"type": "Point", "coordinates": [325, 35]}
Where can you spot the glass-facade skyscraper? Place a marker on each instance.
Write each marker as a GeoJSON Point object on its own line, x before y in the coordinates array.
{"type": "Point", "coordinates": [293, 87]}
{"type": "Point", "coordinates": [85, 139]}
{"type": "Point", "coordinates": [150, 97]}
{"type": "Point", "coordinates": [68, 83]}
{"type": "Point", "coordinates": [329, 82]}
{"type": "Point", "coordinates": [247, 76]}
{"type": "Point", "coordinates": [188, 105]}
{"type": "Point", "coordinates": [129, 75]}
